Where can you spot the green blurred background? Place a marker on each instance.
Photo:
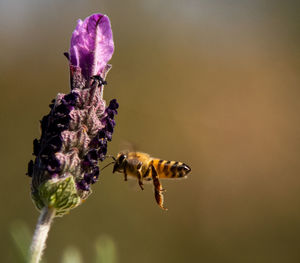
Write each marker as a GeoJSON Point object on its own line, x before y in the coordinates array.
{"type": "Point", "coordinates": [211, 83]}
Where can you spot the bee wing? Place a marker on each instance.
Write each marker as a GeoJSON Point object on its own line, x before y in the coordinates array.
{"type": "Point", "coordinates": [132, 184]}
{"type": "Point", "coordinates": [129, 146]}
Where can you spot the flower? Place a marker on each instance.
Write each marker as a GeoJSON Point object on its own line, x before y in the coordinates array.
{"type": "Point", "coordinates": [76, 131]}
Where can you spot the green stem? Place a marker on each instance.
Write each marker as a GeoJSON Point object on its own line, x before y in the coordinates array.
{"type": "Point", "coordinates": [41, 233]}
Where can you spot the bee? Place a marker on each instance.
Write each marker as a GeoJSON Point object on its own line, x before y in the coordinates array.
{"type": "Point", "coordinates": [144, 167]}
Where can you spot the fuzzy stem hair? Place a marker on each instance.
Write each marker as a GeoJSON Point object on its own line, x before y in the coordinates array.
{"type": "Point", "coordinates": [40, 234]}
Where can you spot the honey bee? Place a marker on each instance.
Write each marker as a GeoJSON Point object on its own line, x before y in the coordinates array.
{"type": "Point", "coordinates": [144, 167]}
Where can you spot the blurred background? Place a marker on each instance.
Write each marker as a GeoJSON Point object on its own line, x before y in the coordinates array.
{"type": "Point", "coordinates": [212, 83]}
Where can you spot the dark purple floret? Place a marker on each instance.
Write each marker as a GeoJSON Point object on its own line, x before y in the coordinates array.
{"type": "Point", "coordinates": [92, 156]}
{"type": "Point", "coordinates": [101, 134]}
{"type": "Point", "coordinates": [36, 147]}
{"type": "Point", "coordinates": [44, 123]}
{"type": "Point", "coordinates": [30, 168]}
{"type": "Point", "coordinates": [109, 135]}
{"type": "Point", "coordinates": [62, 110]}
{"type": "Point", "coordinates": [83, 185]}
{"type": "Point", "coordinates": [111, 110]}
{"type": "Point", "coordinates": [113, 104]}
{"type": "Point", "coordinates": [53, 165]}
{"type": "Point", "coordinates": [90, 160]}
{"type": "Point", "coordinates": [86, 164]}
{"type": "Point", "coordinates": [55, 143]}
{"type": "Point", "coordinates": [71, 98]}
{"type": "Point", "coordinates": [110, 125]}
{"type": "Point", "coordinates": [99, 142]}
{"type": "Point", "coordinates": [95, 142]}
{"type": "Point", "coordinates": [102, 152]}
{"type": "Point", "coordinates": [92, 177]}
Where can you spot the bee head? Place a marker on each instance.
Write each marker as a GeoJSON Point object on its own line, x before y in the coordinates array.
{"type": "Point", "coordinates": [120, 162]}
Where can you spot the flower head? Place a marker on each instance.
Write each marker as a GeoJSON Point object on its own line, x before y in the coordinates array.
{"type": "Point", "coordinates": [76, 131]}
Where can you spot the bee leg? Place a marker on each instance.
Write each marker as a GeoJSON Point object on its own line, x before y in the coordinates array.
{"type": "Point", "coordinates": [158, 190]}
{"type": "Point", "coordinates": [125, 174]}
{"type": "Point", "coordinates": [146, 174]}
{"type": "Point", "coordinates": [140, 178]}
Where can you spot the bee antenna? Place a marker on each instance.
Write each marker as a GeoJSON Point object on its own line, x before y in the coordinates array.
{"type": "Point", "coordinates": [110, 156]}
{"type": "Point", "coordinates": [107, 165]}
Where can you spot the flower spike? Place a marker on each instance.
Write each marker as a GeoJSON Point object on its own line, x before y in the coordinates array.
{"type": "Point", "coordinates": [79, 125]}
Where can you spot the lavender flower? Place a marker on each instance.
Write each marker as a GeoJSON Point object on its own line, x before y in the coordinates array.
{"type": "Point", "coordinates": [76, 131]}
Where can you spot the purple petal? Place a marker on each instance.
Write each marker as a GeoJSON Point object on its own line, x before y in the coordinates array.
{"type": "Point", "coordinates": [92, 45]}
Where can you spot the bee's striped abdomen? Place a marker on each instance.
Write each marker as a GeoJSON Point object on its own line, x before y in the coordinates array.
{"type": "Point", "coordinates": [170, 169]}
